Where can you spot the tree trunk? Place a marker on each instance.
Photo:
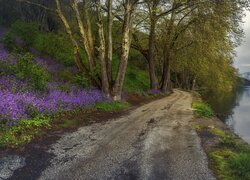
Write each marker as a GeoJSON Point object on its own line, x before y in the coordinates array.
{"type": "Point", "coordinates": [85, 36]}
{"type": "Point", "coordinates": [77, 58]}
{"type": "Point", "coordinates": [104, 77]}
{"type": "Point", "coordinates": [126, 41]}
{"type": "Point", "coordinates": [193, 83]}
{"type": "Point", "coordinates": [89, 34]}
{"type": "Point", "coordinates": [109, 41]}
{"type": "Point", "coordinates": [151, 44]}
{"type": "Point", "coordinates": [166, 83]}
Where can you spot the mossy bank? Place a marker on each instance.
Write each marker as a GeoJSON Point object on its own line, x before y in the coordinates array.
{"type": "Point", "coordinates": [228, 154]}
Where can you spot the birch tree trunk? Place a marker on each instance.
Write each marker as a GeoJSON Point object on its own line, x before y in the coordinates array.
{"type": "Point", "coordinates": [109, 41]}
{"type": "Point", "coordinates": [77, 58]}
{"type": "Point", "coordinates": [151, 43]}
{"type": "Point", "coordinates": [166, 80]}
{"type": "Point", "coordinates": [102, 53]}
{"type": "Point", "coordinates": [89, 33]}
{"type": "Point", "coordinates": [86, 35]}
{"type": "Point", "coordinates": [126, 41]}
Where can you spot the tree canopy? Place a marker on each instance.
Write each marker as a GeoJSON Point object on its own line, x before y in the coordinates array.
{"type": "Point", "coordinates": [181, 43]}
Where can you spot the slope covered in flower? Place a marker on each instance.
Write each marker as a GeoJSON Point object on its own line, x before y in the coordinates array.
{"type": "Point", "coordinates": [21, 100]}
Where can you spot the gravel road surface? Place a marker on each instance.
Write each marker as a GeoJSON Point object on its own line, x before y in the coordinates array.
{"type": "Point", "coordinates": [153, 142]}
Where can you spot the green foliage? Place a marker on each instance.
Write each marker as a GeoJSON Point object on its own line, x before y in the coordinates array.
{"type": "Point", "coordinates": [32, 111]}
{"type": "Point", "coordinates": [111, 106]}
{"type": "Point", "coordinates": [67, 123]}
{"type": "Point", "coordinates": [9, 42]}
{"type": "Point", "coordinates": [136, 80]}
{"type": "Point", "coordinates": [55, 45]}
{"type": "Point", "coordinates": [81, 80]}
{"type": "Point", "coordinates": [229, 141]}
{"type": "Point", "coordinates": [5, 68]}
{"type": "Point", "coordinates": [21, 34]}
{"type": "Point", "coordinates": [240, 165]}
{"type": "Point", "coordinates": [66, 75]}
{"type": "Point", "coordinates": [24, 132]}
{"type": "Point", "coordinates": [230, 164]}
{"type": "Point", "coordinates": [231, 159]}
{"type": "Point", "coordinates": [202, 109]}
{"type": "Point", "coordinates": [27, 68]}
{"type": "Point", "coordinates": [221, 165]}
{"type": "Point", "coordinates": [218, 132]}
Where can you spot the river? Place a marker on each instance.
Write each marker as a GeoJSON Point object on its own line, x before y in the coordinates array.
{"type": "Point", "coordinates": [234, 109]}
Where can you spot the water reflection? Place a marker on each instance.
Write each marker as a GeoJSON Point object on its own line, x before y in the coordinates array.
{"type": "Point", "coordinates": [234, 109]}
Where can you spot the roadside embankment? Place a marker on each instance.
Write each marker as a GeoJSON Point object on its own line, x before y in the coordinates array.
{"type": "Point", "coordinates": [228, 154]}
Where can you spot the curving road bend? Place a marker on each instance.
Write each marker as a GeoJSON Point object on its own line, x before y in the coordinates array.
{"type": "Point", "coordinates": [153, 142]}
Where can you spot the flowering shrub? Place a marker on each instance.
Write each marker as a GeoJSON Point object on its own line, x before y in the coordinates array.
{"type": "Point", "coordinates": [20, 98]}
{"type": "Point", "coordinates": [18, 105]}
{"type": "Point", "coordinates": [27, 68]}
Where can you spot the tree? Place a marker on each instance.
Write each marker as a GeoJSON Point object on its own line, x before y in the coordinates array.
{"type": "Point", "coordinates": [112, 88]}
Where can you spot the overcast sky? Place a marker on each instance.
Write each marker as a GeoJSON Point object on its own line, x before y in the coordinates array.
{"type": "Point", "coordinates": [242, 61]}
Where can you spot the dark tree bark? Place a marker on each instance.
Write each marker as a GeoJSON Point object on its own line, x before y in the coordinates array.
{"type": "Point", "coordinates": [151, 45]}
{"type": "Point", "coordinates": [109, 41]}
{"type": "Point", "coordinates": [165, 79]}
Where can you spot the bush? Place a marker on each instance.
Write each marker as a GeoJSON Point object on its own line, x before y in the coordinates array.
{"type": "Point", "coordinates": [5, 67]}
{"type": "Point", "coordinates": [26, 68]}
{"type": "Point", "coordinates": [21, 34]}
{"type": "Point", "coordinates": [240, 164]}
{"type": "Point", "coordinates": [57, 46]}
{"type": "Point", "coordinates": [202, 109]}
{"type": "Point", "coordinates": [24, 132]}
{"type": "Point", "coordinates": [231, 158]}
{"type": "Point", "coordinates": [82, 81]}
{"type": "Point", "coordinates": [9, 41]}
{"type": "Point", "coordinates": [220, 162]}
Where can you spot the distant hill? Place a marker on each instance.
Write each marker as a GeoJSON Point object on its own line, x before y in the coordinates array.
{"type": "Point", "coordinates": [244, 79]}
{"type": "Point", "coordinates": [245, 75]}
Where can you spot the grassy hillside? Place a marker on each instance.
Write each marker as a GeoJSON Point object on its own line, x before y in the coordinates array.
{"type": "Point", "coordinates": [57, 46]}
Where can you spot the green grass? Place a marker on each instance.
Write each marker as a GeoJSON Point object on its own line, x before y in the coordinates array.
{"type": "Point", "coordinates": [240, 165]}
{"type": "Point", "coordinates": [231, 158]}
{"type": "Point", "coordinates": [57, 45]}
{"type": "Point", "coordinates": [230, 164]}
{"type": "Point", "coordinates": [111, 106]}
{"type": "Point", "coordinates": [220, 160]}
{"type": "Point", "coordinates": [136, 80]}
{"type": "Point", "coordinates": [202, 109]}
{"type": "Point", "coordinates": [28, 129]}
{"type": "Point", "coordinates": [218, 132]}
{"type": "Point", "coordinates": [24, 132]}
{"type": "Point", "coordinates": [67, 123]}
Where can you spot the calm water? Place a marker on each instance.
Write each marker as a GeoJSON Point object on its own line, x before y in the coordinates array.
{"type": "Point", "coordinates": [234, 109]}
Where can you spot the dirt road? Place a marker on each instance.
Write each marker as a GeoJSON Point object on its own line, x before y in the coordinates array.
{"type": "Point", "coordinates": [154, 142]}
